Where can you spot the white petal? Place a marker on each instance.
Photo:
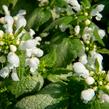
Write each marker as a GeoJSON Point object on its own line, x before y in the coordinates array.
{"type": "Point", "coordinates": [104, 97]}
{"type": "Point", "coordinates": [100, 7]}
{"type": "Point", "coordinates": [98, 16]}
{"type": "Point", "coordinates": [21, 22]}
{"type": "Point", "coordinates": [101, 33]}
{"type": "Point", "coordinates": [9, 24]}
{"type": "Point", "coordinates": [21, 13]}
{"type": "Point", "coordinates": [87, 95]}
{"type": "Point", "coordinates": [80, 70]}
{"type": "Point", "coordinates": [28, 52]}
{"type": "Point", "coordinates": [5, 8]}
{"type": "Point", "coordinates": [94, 12]}
{"type": "Point", "coordinates": [29, 44]}
{"type": "Point", "coordinates": [14, 75]}
{"type": "Point", "coordinates": [32, 63]}
{"type": "Point", "coordinates": [75, 5]}
{"type": "Point", "coordinates": [32, 32]}
{"type": "Point", "coordinates": [37, 52]}
{"type": "Point", "coordinates": [13, 59]}
{"type": "Point", "coordinates": [4, 72]}
{"type": "Point", "coordinates": [83, 59]}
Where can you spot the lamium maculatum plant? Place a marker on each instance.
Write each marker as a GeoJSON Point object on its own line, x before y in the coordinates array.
{"type": "Point", "coordinates": [53, 54]}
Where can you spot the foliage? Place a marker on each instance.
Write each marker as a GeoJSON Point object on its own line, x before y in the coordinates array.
{"type": "Point", "coordinates": [75, 46]}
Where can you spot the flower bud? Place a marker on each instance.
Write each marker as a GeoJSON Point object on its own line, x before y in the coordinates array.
{"type": "Point", "coordinates": [13, 48]}
{"type": "Point", "coordinates": [87, 22]}
{"type": "Point", "coordinates": [77, 29]}
{"type": "Point", "coordinates": [89, 80]}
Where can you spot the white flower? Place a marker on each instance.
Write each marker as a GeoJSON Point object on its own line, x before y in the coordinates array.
{"type": "Point", "coordinates": [20, 22]}
{"type": "Point", "coordinates": [28, 44]}
{"type": "Point", "coordinates": [38, 39]}
{"type": "Point", "coordinates": [87, 95]}
{"type": "Point", "coordinates": [101, 33]}
{"type": "Point", "coordinates": [21, 13]}
{"type": "Point", "coordinates": [14, 75]}
{"type": "Point", "coordinates": [77, 29]}
{"type": "Point", "coordinates": [34, 51]}
{"type": "Point", "coordinates": [13, 59]}
{"type": "Point", "coordinates": [9, 24]}
{"type": "Point", "coordinates": [38, 52]}
{"type": "Point", "coordinates": [75, 5]}
{"type": "Point", "coordinates": [87, 34]}
{"type": "Point", "coordinates": [100, 7]}
{"type": "Point", "coordinates": [89, 80]}
{"type": "Point", "coordinates": [13, 48]}
{"type": "Point", "coordinates": [5, 8]}
{"type": "Point", "coordinates": [80, 70]}
{"type": "Point", "coordinates": [83, 59]}
{"type": "Point", "coordinates": [104, 97]}
{"type": "Point", "coordinates": [32, 63]}
{"type": "Point", "coordinates": [1, 33]}
{"type": "Point", "coordinates": [99, 57]}
{"type": "Point", "coordinates": [4, 72]}
{"type": "Point", "coordinates": [96, 12]}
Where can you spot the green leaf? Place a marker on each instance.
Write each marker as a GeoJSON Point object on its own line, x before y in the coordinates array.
{"type": "Point", "coordinates": [86, 3]}
{"type": "Point", "coordinates": [38, 17]}
{"type": "Point", "coordinates": [63, 20]}
{"type": "Point", "coordinates": [97, 105]}
{"type": "Point", "coordinates": [60, 3]}
{"type": "Point", "coordinates": [51, 97]}
{"type": "Point", "coordinates": [26, 85]}
{"type": "Point", "coordinates": [21, 69]}
{"type": "Point", "coordinates": [58, 78]}
{"type": "Point", "coordinates": [63, 53]}
{"type": "Point", "coordinates": [103, 51]}
{"type": "Point", "coordinates": [26, 36]}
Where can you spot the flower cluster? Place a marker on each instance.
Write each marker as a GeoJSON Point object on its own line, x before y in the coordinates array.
{"type": "Point", "coordinates": [14, 41]}
{"type": "Point", "coordinates": [89, 66]}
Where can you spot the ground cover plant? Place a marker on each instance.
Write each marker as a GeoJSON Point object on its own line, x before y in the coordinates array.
{"type": "Point", "coordinates": [54, 54]}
